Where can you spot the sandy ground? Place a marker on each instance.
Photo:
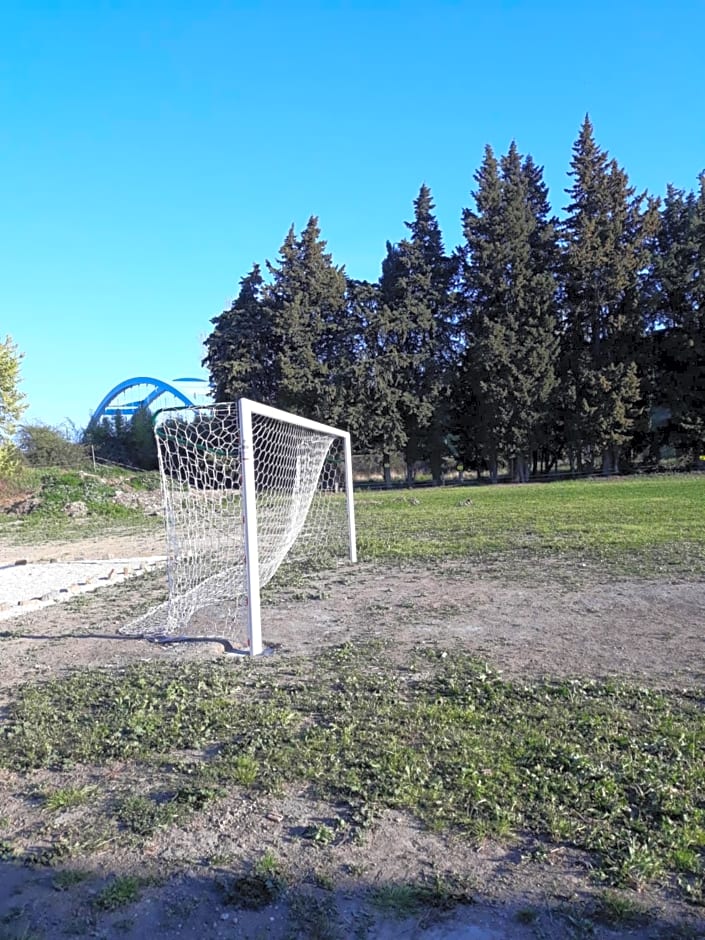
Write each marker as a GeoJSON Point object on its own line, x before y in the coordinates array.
{"type": "Point", "coordinates": [561, 621]}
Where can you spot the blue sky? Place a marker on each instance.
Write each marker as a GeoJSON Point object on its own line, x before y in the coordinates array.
{"type": "Point", "coordinates": [152, 151]}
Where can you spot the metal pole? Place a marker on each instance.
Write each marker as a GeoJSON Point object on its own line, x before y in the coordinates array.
{"type": "Point", "coordinates": [249, 522]}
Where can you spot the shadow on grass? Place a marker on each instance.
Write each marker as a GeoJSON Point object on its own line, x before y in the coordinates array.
{"type": "Point", "coordinates": [37, 903]}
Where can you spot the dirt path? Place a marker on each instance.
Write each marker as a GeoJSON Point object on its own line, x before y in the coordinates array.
{"type": "Point", "coordinates": [570, 623]}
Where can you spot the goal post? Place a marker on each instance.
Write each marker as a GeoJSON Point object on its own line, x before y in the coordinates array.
{"type": "Point", "coordinates": [247, 410]}
{"type": "Point", "coordinates": [246, 488]}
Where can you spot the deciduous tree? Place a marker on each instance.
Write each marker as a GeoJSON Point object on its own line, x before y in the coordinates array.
{"type": "Point", "coordinates": [12, 403]}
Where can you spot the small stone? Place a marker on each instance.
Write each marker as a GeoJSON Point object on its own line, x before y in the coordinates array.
{"type": "Point", "coordinates": [275, 817]}
{"type": "Point", "coordinates": [225, 916]}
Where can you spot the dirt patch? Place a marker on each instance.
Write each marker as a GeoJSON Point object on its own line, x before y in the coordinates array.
{"type": "Point", "coordinates": [570, 622]}
{"type": "Point", "coordinates": [128, 545]}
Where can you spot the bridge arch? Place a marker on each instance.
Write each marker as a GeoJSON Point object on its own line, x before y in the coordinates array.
{"type": "Point", "coordinates": [143, 391]}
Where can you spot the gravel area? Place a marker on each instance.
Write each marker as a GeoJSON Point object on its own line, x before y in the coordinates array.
{"type": "Point", "coordinates": [26, 587]}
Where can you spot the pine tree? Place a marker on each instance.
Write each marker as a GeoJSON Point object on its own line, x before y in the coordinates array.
{"type": "Point", "coordinates": [141, 443]}
{"type": "Point", "coordinates": [241, 350]}
{"type": "Point", "coordinates": [508, 283]}
{"type": "Point", "coordinates": [678, 319]}
{"type": "Point", "coordinates": [306, 306]}
{"type": "Point", "coordinates": [374, 413]}
{"type": "Point", "coordinates": [415, 300]}
{"type": "Point", "coordinates": [605, 249]}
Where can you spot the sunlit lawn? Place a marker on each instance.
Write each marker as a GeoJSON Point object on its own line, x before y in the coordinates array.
{"type": "Point", "coordinates": [641, 523]}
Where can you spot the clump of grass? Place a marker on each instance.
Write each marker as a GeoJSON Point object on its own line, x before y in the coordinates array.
{"type": "Point", "coordinates": [405, 900]}
{"type": "Point", "coordinates": [67, 798]}
{"type": "Point", "coordinates": [68, 878]}
{"type": "Point", "coordinates": [616, 910]}
{"type": "Point", "coordinates": [121, 891]}
{"type": "Point", "coordinates": [314, 918]}
{"type": "Point", "coordinates": [256, 889]}
{"type": "Point", "coordinates": [143, 816]}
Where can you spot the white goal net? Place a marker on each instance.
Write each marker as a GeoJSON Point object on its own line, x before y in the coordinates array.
{"type": "Point", "coordinates": [246, 487]}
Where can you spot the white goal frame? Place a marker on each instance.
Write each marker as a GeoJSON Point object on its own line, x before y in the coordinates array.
{"type": "Point", "coordinates": [215, 483]}
{"type": "Point", "coordinates": [246, 409]}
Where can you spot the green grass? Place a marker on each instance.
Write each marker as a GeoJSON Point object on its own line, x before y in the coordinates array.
{"type": "Point", "coordinates": [121, 891]}
{"type": "Point", "coordinates": [648, 524]}
{"type": "Point", "coordinates": [65, 798]}
{"type": "Point", "coordinates": [613, 769]}
{"type": "Point", "coordinates": [53, 489]}
{"type": "Point", "coordinates": [69, 878]}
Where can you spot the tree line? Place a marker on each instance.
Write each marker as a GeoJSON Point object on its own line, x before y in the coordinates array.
{"type": "Point", "coordinates": [537, 340]}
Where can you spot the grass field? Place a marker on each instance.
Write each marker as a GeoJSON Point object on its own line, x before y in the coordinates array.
{"type": "Point", "coordinates": [650, 524]}
{"type": "Point", "coordinates": [612, 769]}
{"type": "Point", "coordinates": [615, 770]}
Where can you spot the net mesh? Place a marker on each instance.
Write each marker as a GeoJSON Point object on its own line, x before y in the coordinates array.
{"type": "Point", "coordinates": [300, 506]}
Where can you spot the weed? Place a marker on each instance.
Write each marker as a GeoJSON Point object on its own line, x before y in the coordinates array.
{"type": "Point", "coordinates": [617, 910]}
{"type": "Point", "coordinates": [399, 900]}
{"type": "Point", "coordinates": [256, 889]}
{"type": "Point", "coordinates": [196, 797]}
{"type": "Point", "coordinates": [314, 918]}
{"type": "Point", "coordinates": [143, 816]}
{"type": "Point", "coordinates": [251, 892]}
{"type": "Point", "coordinates": [7, 851]}
{"type": "Point", "coordinates": [63, 880]}
{"type": "Point", "coordinates": [320, 834]}
{"type": "Point", "coordinates": [324, 880]}
{"type": "Point", "coordinates": [404, 900]}
{"type": "Point", "coordinates": [123, 890]}
{"type": "Point", "coordinates": [67, 798]}
{"type": "Point", "coordinates": [267, 866]}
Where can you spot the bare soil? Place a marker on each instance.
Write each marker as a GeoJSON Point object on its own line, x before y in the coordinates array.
{"type": "Point", "coordinates": [561, 620]}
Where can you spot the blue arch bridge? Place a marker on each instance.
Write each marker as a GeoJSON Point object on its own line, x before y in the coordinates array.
{"type": "Point", "coordinates": [143, 391]}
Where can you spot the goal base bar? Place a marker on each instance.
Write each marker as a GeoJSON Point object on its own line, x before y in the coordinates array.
{"type": "Point", "coordinates": [167, 639]}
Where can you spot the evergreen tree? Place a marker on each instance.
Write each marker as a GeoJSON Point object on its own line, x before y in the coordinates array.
{"type": "Point", "coordinates": [678, 319]}
{"type": "Point", "coordinates": [241, 350]}
{"type": "Point", "coordinates": [415, 301]}
{"type": "Point", "coordinates": [508, 282]}
{"type": "Point", "coordinates": [306, 306]}
{"type": "Point", "coordinates": [605, 249]}
{"type": "Point", "coordinates": [374, 413]}
{"type": "Point", "coordinates": [141, 442]}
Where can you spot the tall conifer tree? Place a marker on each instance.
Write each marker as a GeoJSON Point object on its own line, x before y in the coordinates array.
{"type": "Point", "coordinates": [306, 303]}
{"type": "Point", "coordinates": [241, 350]}
{"type": "Point", "coordinates": [415, 301]}
{"type": "Point", "coordinates": [678, 315]}
{"type": "Point", "coordinates": [510, 328]}
{"type": "Point", "coordinates": [374, 412]}
{"type": "Point", "coordinates": [605, 249]}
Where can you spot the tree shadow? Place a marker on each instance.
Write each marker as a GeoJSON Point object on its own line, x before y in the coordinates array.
{"type": "Point", "coordinates": [219, 900]}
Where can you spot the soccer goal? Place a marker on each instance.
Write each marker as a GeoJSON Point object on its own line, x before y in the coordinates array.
{"type": "Point", "coordinates": [246, 488]}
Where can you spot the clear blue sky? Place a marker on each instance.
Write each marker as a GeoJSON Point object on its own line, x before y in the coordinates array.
{"type": "Point", "coordinates": [152, 150]}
